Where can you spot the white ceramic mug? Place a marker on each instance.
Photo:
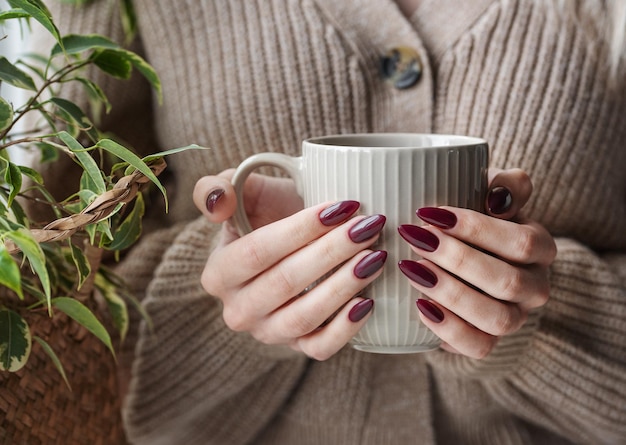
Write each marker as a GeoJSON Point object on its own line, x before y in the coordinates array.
{"type": "Point", "coordinates": [393, 174]}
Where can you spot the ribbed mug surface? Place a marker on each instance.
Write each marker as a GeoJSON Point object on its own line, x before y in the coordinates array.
{"type": "Point", "coordinates": [394, 175]}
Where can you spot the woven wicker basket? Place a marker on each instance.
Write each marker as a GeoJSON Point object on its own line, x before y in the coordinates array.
{"type": "Point", "coordinates": [37, 407]}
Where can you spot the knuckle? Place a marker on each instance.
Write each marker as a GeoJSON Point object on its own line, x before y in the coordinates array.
{"type": "Point", "coordinates": [282, 281]}
{"type": "Point", "coordinates": [210, 278]}
{"type": "Point", "coordinates": [457, 259]}
{"type": "Point", "coordinates": [235, 319]}
{"type": "Point", "coordinates": [454, 295]}
{"type": "Point", "coordinates": [525, 244]}
{"type": "Point", "coordinates": [513, 285]}
{"type": "Point", "coordinates": [474, 226]}
{"type": "Point", "coordinates": [317, 352]}
{"type": "Point", "coordinates": [542, 294]}
{"type": "Point", "coordinates": [506, 322]}
{"type": "Point", "coordinates": [297, 325]}
{"type": "Point", "coordinates": [484, 348]}
{"type": "Point", "coordinates": [253, 254]}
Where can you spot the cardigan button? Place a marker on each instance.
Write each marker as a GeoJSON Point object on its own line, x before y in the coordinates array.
{"type": "Point", "coordinates": [402, 67]}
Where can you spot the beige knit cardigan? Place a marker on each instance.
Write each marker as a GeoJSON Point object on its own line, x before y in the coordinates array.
{"type": "Point", "coordinates": [249, 76]}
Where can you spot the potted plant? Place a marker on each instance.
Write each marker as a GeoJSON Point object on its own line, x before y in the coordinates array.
{"type": "Point", "coordinates": [58, 300]}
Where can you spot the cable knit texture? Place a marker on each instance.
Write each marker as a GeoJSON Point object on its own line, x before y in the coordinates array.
{"type": "Point", "coordinates": [244, 77]}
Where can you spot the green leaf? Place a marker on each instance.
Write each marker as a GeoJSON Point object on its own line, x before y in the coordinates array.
{"type": "Point", "coordinates": [15, 76]}
{"type": "Point", "coordinates": [49, 153]}
{"type": "Point", "coordinates": [140, 65]}
{"type": "Point", "coordinates": [76, 43]}
{"type": "Point", "coordinates": [32, 250]}
{"type": "Point", "coordinates": [129, 19]}
{"type": "Point", "coordinates": [13, 14]}
{"type": "Point", "coordinates": [85, 159]}
{"type": "Point", "coordinates": [113, 63]}
{"type": "Point", "coordinates": [13, 178]}
{"type": "Point", "coordinates": [6, 114]}
{"type": "Point", "coordinates": [15, 341]}
{"type": "Point", "coordinates": [55, 359]}
{"type": "Point", "coordinates": [83, 316]}
{"type": "Point", "coordinates": [31, 173]}
{"type": "Point", "coordinates": [117, 306]}
{"type": "Point", "coordinates": [10, 272]}
{"type": "Point", "coordinates": [130, 157]}
{"type": "Point", "coordinates": [172, 151]}
{"type": "Point", "coordinates": [81, 263]}
{"type": "Point", "coordinates": [128, 232]}
{"type": "Point", "coordinates": [37, 10]}
{"type": "Point", "coordinates": [78, 116]}
{"type": "Point", "coordinates": [148, 72]}
{"type": "Point", "coordinates": [96, 94]}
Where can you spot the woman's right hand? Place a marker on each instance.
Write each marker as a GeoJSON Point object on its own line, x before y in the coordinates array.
{"type": "Point", "coordinates": [261, 278]}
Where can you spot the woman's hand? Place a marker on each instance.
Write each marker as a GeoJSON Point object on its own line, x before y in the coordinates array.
{"type": "Point", "coordinates": [482, 274]}
{"type": "Point", "coordinates": [261, 277]}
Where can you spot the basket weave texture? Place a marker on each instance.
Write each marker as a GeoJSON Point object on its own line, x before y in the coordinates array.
{"type": "Point", "coordinates": [37, 407]}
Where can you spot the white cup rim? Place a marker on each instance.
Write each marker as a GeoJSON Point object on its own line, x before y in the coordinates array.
{"type": "Point", "coordinates": [395, 140]}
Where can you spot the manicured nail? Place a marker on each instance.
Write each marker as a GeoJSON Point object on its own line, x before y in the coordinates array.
{"type": "Point", "coordinates": [360, 310]}
{"type": "Point", "coordinates": [370, 264]}
{"type": "Point", "coordinates": [418, 273]}
{"type": "Point", "coordinates": [213, 198]}
{"type": "Point", "coordinates": [419, 237]}
{"type": "Point", "coordinates": [430, 311]}
{"type": "Point", "coordinates": [338, 212]}
{"type": "Point", "coordinates": [367, 228]}
{"type": "Point", "coordinates": [442, 218]}
{"type": "Point", "coordinates": [499, 200]}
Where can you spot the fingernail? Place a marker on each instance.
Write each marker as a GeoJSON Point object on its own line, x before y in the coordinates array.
{"type": "Point", "coordinates": [419, 237]}
{"type": "Point", "coordinates": [338, 212]}
{"type": "Point", "coordinates": [370, 264]}
{"type": "Point", "coordinates": [213, 198]}
{"type": "Point", "coordinates": [430, 311]}
{"type": "Point", "coordinates": [367, 228]}
{"type": "Point", "coordinates": [360, 310]}
{"type": "Point", "coordinates": [442, 218]}
{"type": "Point", "coordinates": [499, 200]}
{"type": "Point", "coordinates": [418, 273]}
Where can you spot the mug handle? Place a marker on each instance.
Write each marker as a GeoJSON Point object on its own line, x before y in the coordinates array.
{"type": "Point", "coordinates": [291, 165]}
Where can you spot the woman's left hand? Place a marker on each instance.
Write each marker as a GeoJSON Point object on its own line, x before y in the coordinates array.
{"type": "Point", "coordinates": [481, 274]}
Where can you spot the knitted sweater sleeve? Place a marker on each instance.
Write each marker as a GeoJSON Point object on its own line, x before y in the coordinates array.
{"type": "Point", "coordinates": [566, 369]}
{"type": "Point", "coordinates": [192, 377]}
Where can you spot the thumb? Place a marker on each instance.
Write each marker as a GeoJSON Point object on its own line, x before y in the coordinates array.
{"type": "Point", "coordinates": [215, 197]}
{"type": "Point", "coordinates": [509, 191]}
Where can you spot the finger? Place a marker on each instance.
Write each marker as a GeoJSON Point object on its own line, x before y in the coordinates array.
{"type": "Point", "coordinates": [215, 197]}
{"type": "Point", "coordinates": [266, 199]}
{"type": "Point", "coordinates": [327, 341]}
{"type": "Point", "coordinates": [495, 317]}
{"type": "Point", "coordinates": [526, 243]}
{"type": "Point", "coordinates": [291, 275]}
{"type": "Point", "coordinates": [458, 335]}
{"type": "Point", "coordinates": [509, 191]}
{"type": "Point", "coordinates": [500, 279]}
{"type": "Point", "coordinates": [261, 249]}
{"type": "Point", "coordinates": [308, 312]}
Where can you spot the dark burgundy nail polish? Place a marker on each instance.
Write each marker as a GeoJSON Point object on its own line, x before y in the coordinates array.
{"type": "Point", "coordinates": [367, 228]}
{"type": "Point", "coordinates": [419, 237]}
{"type": "Point", "coordinates": [499, 200]}
{"type": "Point", "coordinates": [338, 212]}
{"type": "Point", "coordinates": [418, 273]}
{"type": "Point", "coordinates": [360, 310]}
{"type": "Point", "coordinates": [370, 264]}
{"type": "Point", "coordinates": [442, 218]}
{"type": "Point", "coordinates": [430, 311]}
{"type": "Point", "coordinates": [213, 198]}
